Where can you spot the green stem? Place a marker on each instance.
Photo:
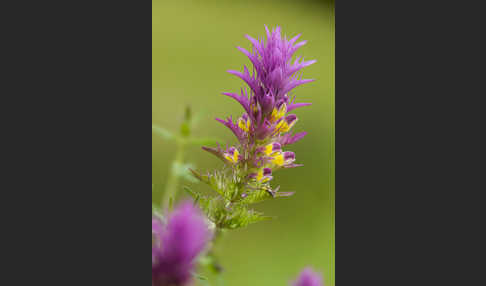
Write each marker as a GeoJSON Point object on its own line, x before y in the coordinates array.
{"type": "Point", "coordinates": [173, 180]}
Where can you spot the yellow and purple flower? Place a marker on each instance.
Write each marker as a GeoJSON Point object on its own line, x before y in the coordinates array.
{"type": "Point", "coordinates": [232, 155]}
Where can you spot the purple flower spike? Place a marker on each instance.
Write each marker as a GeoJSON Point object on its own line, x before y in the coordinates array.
{"type": "Point", "coordinates": [308, 278]}
{"type": "Point", "coordinates": [264, 129]}
{"type": "Point", "coordinates": [177, 245]}
{"type": "Point", "coordinates": [274, 75]}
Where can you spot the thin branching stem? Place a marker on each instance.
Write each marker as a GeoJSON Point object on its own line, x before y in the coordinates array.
{"type": "Point", "coordinates": [173, 180]}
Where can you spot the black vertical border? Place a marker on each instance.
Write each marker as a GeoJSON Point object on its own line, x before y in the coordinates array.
{"type": "Point", "coordinates": [93, 66]}
{"type": "Point", "coordinates": [408, 151]}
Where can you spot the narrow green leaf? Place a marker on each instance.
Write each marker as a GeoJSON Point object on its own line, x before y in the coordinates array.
{"type": "Point", "coordinates": [199, 277]}
{"type": "Point", "coordinates": [198, 176]}
{"type": "Point", "coordinates": [256, 196]}
{"type": "Point", "coordinates": [162, 132]}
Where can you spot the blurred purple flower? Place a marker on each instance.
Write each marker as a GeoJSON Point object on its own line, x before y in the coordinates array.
{"type": "Point", "coordinates": [176, 245]}
{"type": "Point", "coordinates": [308, 278]}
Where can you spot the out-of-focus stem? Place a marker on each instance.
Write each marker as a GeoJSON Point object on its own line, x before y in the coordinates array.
{"type": "Point", "coordinates": [216, 266]}
{"type": "Point", "coordinates": [173, 180]}
{"type": "Point", "coordinates": [218, 234]}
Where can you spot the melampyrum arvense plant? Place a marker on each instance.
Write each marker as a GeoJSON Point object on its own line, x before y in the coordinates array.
{"type": "Point", "coordinates": [263, 132]}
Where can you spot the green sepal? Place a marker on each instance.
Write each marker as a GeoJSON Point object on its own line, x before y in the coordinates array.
{"type": "Point", "coordinates": [200, 177]}
{"type": "Point", "coordinates": [240, 216]}
{"type": "Point", "coordinates": [256, 196]}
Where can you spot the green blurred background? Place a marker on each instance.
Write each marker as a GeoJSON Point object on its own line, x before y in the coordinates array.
{"type": "Point", "coordinates": [193, 44]}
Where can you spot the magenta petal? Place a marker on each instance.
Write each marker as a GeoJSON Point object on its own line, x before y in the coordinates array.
{"type": "Point", "coordinates": [297, 137]}
{"type": "Point", "coordinates": [297, 105]}
{"type": "Point", "coordinates": [293, 84]}
{"type": "Point", "coordinates": [244, 101]}
{"type": "Point", "coordinates": [253, 58]}
{"type": "Point", "coordinates": [246, 77]}
{"type": "Point", "coordinates": [292, 41]}
{"type": "Point", "coordinates": [256, 44]}
{"type": "Point", "coordinates": [215, 151]}
{"type": "Point", "coordinates": [288, 139]}
{"type": "Point", "coordinates": [298, 66]}
{"type": "Point", "coordinates": [235, 129]}
{"type": "Point", "coordinates": [268, 32]}
{"type": "Point", "coordinates": [296, 47]}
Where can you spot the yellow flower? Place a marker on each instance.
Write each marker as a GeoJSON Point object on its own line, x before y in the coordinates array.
{"type": "Point", "coordinates": [285, 124]}
{"type": "Point", "coordinates": [278, 159]}
{"type": "Point", "coordinates": [277, 114]}
{"type": "Point", "coordinates": [244, 124]}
